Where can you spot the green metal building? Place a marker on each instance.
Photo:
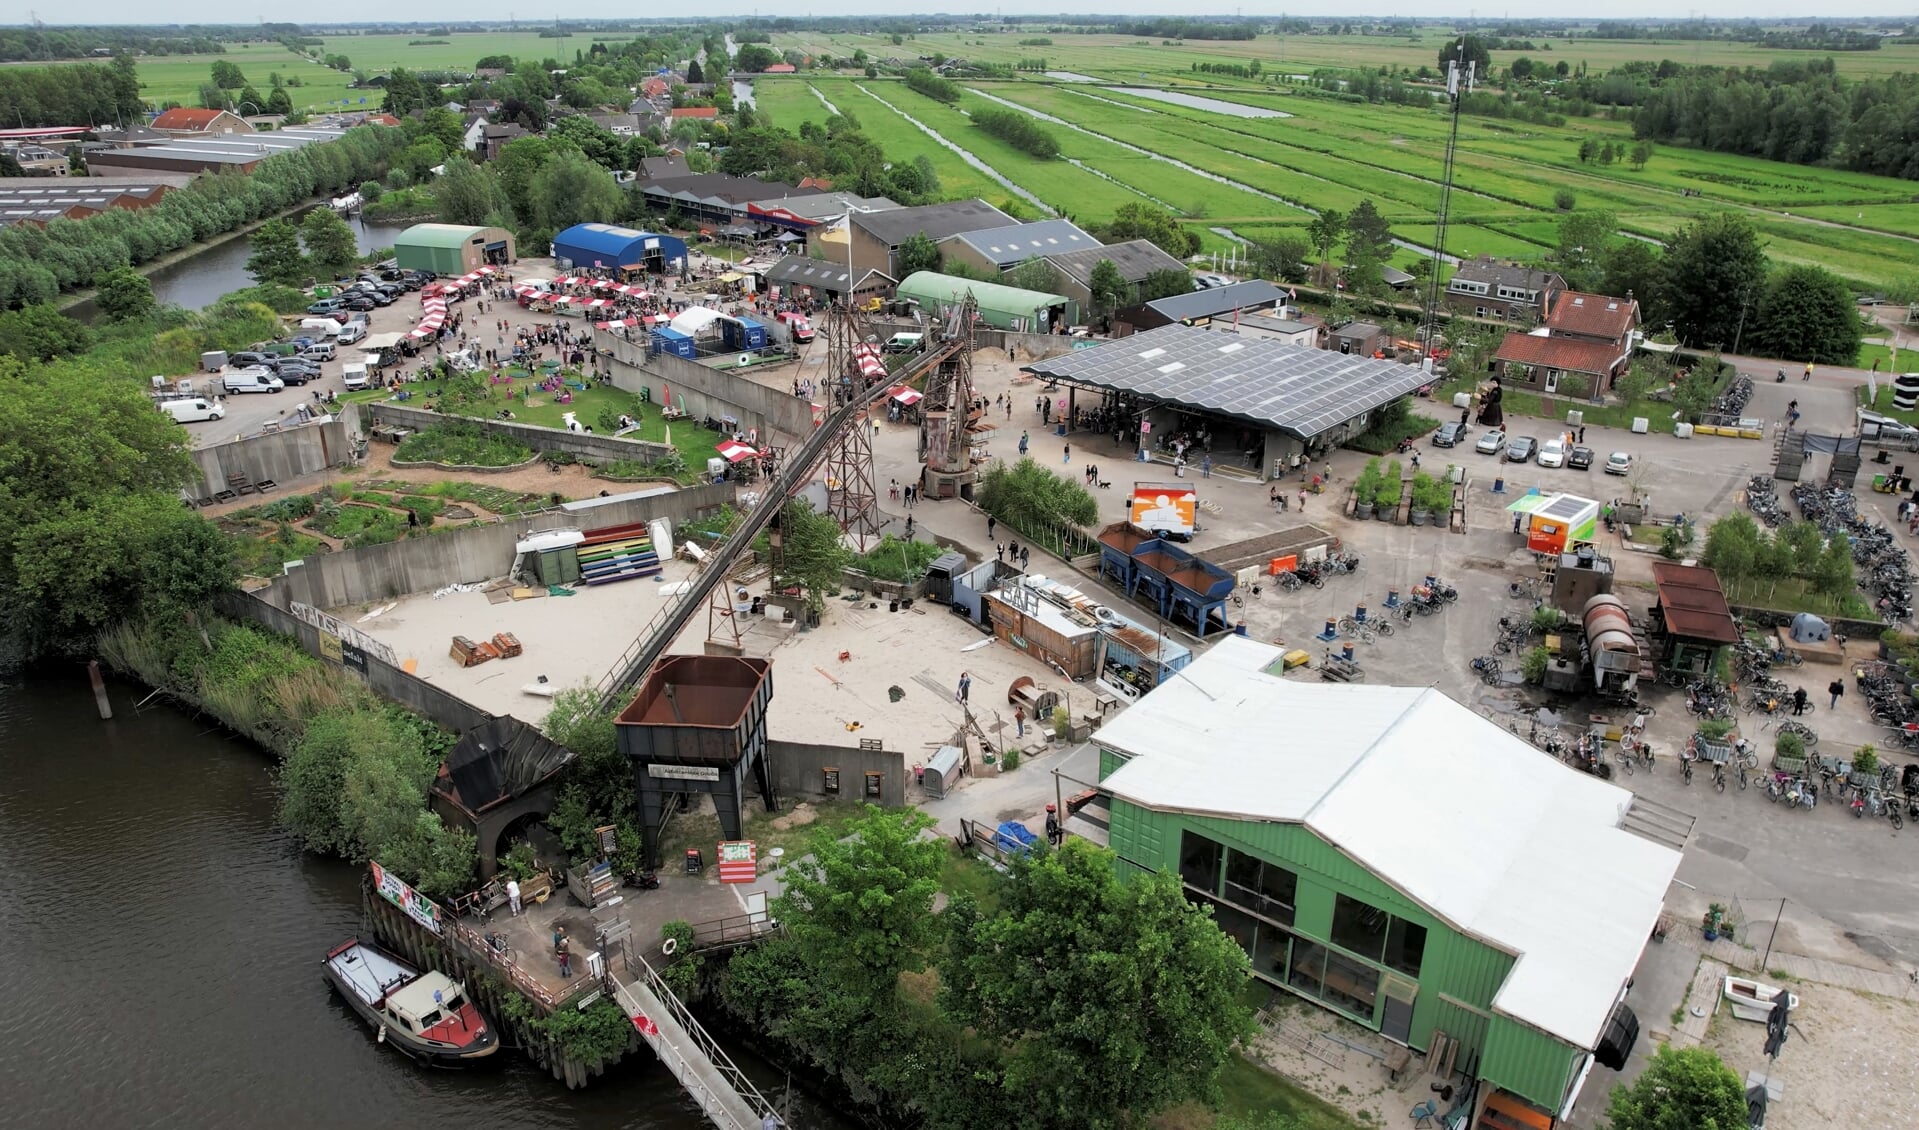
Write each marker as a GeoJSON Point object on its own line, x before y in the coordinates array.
{"type": "Point", "coordinates": [1392, 856]}
{"type": "Point", "coordinates": [1005, 307]}
{"type": "Point", "coordinates": [451, 250]}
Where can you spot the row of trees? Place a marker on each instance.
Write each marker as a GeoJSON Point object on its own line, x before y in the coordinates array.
{"type": "Point", "coordinates": [923, 80]}
{"type": "Point", "coordinates": [1790, 113]}
{"type": "Point", "coordinates": [37, 263]}
{"type": "Point", "coordinates": [1716, 287]}
{"type": "Point", "coordinates": [330, 249]}
{"type": "Point", "coordinates": [72, 94]}
{"type": "Point", "coordinates": [1018, 130]}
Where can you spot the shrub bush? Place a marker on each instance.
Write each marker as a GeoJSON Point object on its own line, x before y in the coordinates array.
{"type": "Point", "coordinates": [1390, 487]}
{"type": "Point", "coordinates": [463, 445]}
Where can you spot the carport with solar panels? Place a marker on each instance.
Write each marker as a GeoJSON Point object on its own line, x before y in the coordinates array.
{"type": "Point", "coordinates": [1261, 401]}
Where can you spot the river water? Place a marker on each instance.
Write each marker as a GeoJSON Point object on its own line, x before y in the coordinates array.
{"type": "Point", "coordinates": [198, 280]}
{"type": "Point", "coordinates": [160, 940]}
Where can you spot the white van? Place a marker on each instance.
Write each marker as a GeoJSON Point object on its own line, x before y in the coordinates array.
{"type": "Point", "coordinates": [192, 410]}
{"type": "Point", "coordinates": [904, 343]}
{"type": "Point", "coordinates": [319, 327]}
{"type": "Point", "coordinates": [252, 380]}
{"type": "Point", "coordinates": [352, 332]}
{"type": "Point", "coordinates": [319, 351]}
{"type": "Point", "coordinates": [353, 376]}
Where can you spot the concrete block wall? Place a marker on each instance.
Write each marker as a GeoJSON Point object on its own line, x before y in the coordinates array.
{"type": "Point", "coordinates": [595, 447]}
{"type": "Point", "coordinates": [706, 392]}
{"type": "Point", "coordinates": [468, 553]}
{"type": "Point", "coordinates": [798, 771]}
{"type": "Point", "coordinates": [280, 456]}
{"type": "Point", "coordinates": [416, 694]}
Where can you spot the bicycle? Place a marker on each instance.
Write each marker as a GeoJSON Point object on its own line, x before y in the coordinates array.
{"type": "Point", "coordinates": [1719, 776]}
{"type": "Point", "coordinates": [1626, 760]}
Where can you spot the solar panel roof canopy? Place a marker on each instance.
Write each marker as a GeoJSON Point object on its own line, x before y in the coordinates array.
{"type": "Point", "coordinates": [1263, 381]}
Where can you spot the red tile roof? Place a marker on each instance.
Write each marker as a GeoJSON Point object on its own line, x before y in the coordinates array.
{"type": "Point", "coordinates": [694, 112]}
{"type": "Point", "coordinates": [1560, 353]}
{"type": "Point", "coordinates": [1593, 315]}
{"type": "Point", "coordinates": [781, 69]}
{"type": "Point", "coordinates": [383, 120]}
{"type": "Point", "coordinates": [181, 118]}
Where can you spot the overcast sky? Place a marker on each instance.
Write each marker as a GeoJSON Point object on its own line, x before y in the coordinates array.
{"type": "Point", "coordinates": [237, 11]}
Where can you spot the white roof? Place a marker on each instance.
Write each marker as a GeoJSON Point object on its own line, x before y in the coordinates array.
{"type": "Point", "coordinates": [374, 343]}
{"type": "Point", "coordinates": [1504, 843]}
{"type": "Point", "coordinates": [694, 319]}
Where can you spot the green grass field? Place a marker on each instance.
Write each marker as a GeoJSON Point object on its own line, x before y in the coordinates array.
{"type": "Point", "coordinates": [1119, 56]}
{"type": "Point", "coordinates": [177, 78]}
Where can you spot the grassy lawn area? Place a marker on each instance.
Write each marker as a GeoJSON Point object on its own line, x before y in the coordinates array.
{"type": "Point", "coordinates": [1251, 1091]}
{"type": "Point", "coordinates": [690, 830]}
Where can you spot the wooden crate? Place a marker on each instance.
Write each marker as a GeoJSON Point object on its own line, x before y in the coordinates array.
{"type": "Point", "coordinates": [469, 654]}
{"type": "Point", "coordinates": [507, 644]}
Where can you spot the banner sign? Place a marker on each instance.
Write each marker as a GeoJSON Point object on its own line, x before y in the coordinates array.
{"type": "Point", "coordinates": [683, 772]}
{"type": "Point", "coordinates": [1164, 506]}
{"type": "Point", "coordinates": [739, 861]}
{"type": "Point", "coordinates": [417, 906]}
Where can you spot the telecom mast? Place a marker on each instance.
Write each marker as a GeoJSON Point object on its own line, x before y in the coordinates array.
{"type": "Point", "coordinates": [1459, 82]}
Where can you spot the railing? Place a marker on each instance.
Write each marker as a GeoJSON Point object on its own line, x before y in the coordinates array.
{"type": "Point", "coordinates": [733, 931]}
{"type": "Point", "coordinates": [677, 1061]}
{"type": "Point", "coordinates": [521, 979]}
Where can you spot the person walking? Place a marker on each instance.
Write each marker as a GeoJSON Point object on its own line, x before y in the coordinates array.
{"type": "Point", "coordinates": [1302, 500]}
{"type": "Point", "coordinates": [1013, 548]}
{"type": "Point", "coordinates": [1837, 689]}
{"type": "Point", "coordinates": [965, 688]}
{"type": "Point", "coordinates": [1068, 457]}
{"type": "Point", "coordinates": [513, 897]}
{"type": "Point", "coordinates": [999, 551]}
{"type": "Point", "coordinates": [1025, 556]}
{"type": "Point", "coordinates": [990, 523]}
{"type": "Point", "coordinates": [1799, 701]}
{"type": "Point", "coordinates": [1205, 466]}
{"type": "Point", "coordinates": [566, 959]}
{"type": "Point", "coordinates": [1019, 721]}
{"type": "Point", "coordinates": [1808, 373]}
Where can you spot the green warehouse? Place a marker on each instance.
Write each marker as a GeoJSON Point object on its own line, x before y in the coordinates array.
{"type": "Point", "coordinates": [451, 250]}
{"type": "Point", "coordinates": [1003, 307]}
{"type": "Point", "coordinates": [1392, 856]}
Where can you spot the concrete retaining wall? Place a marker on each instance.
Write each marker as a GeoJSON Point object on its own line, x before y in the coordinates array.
{"type": "Point", "coordinates": [597, 448]}
{"type": "Point", "coordinates": [1030, 347]}
{"type": "Point", "coordinates": [443, 707]}
{"type": "Point", "coordinates": [280, 456]}
{"type": "Point", "coordinates": [799, 770]}
{"type": "Point", "coordinates": [467, 553]}
{"type": "Point", "coordinates": [706, 392]}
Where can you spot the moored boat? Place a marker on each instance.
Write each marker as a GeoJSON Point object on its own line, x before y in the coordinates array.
{"type": "Point", "coordinates": [426, 1015]}
{"type": "Point", "coordinates": [1753, 1000]}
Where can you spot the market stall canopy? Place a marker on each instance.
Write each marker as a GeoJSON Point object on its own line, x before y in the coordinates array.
{"type": "Point", "coordinates": [376, 342]}
{"type": "Point", "coordinates": [734, 451]}
{"type": "Point", "coordinates": [904, 395]}
{"type": "Point", "coordinates": [695, 318]}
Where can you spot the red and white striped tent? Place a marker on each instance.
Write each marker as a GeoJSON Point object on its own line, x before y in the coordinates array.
{"type": "Point", "coordinates": [432, 317]}
{"type": "Point", "coordinates": [905, 395]}
{"type": "Point", "coordinates": [867, 357]}
{"type": "Point", "coordinates": [734, 451]}
{"type": "Point", "coordinates": [618, 323]}
{"type": "Point", "coordinates": [599, 303]}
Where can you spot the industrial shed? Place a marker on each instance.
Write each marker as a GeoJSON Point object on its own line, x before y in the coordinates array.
{"type": "Point", "coordinates": [452, 249]}
{"type": "Point", "coordinates": [1004, 307]}
{"type": "Point", "coordinates": [585, 247]}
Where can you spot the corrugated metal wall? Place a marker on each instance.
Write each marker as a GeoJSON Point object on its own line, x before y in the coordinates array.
{"type": "Point", "coordinates": [1466, 970]}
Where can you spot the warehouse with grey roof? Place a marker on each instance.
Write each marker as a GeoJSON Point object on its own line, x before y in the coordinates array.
{"type": "Point", "coordinates": [1257, 401]}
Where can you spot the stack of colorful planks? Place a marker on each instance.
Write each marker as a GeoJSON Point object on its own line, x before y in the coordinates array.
{"type": "Point", "coordinates": [617, 553]}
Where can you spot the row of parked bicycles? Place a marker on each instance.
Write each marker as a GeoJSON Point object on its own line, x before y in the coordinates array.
{"type": "Point", "coordinates": [1884, 567]}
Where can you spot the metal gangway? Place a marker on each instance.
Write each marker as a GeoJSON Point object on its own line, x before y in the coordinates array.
{"type": "Point", "coordinates": [725, 1095]}
{"type": "Point", "coordinates": [665, 627]}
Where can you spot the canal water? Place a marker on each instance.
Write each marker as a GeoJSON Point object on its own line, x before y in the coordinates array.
{"type": "Point", "coordinates": [197, 280]}
{"type": "Point", "coordinates": [160, 941]}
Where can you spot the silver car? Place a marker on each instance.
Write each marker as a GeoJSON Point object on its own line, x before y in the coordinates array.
{"type": "Point", "coordinates": [1492, 443]}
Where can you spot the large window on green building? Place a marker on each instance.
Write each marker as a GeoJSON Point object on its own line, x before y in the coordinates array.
{"type": "Point", "coordinates": [1199, 860]}
{"type": "Point", "coordinates": [1378, 936]}
{"type": "Point", "coordinates": [1266, 889]}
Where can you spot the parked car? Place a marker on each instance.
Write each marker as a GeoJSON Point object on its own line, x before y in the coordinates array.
{"type": "Point", "coordinates": [1451, 434]}
{"type": "Point", "coordinates": [252, 380]}
{"type": "Point", "coordinates": [325, 306]}
{"type": "Point", "coordinates": [297, 365]}
{"type": "Point", "coordinates": [362, 303]}
{"type": "Point", "coordinates": [1521, 449]}
{"type": "Point", "coordinates": [1580, 458]}
{"type": "Point", "coordinates": [408, 282]}
{"type": "Point", "coordinates": [319, 351]}
{"type": "Point", "coordinates": [297, 376]}
{"type": "Point", "coordinates": [1619, 463]}
{"type": "Point", "coordinates": [380, 297]}
{"type": "Point", "coordinates": [1552, 453]}
{"type": "Point", "coordinates": [247, 357]}
{"type": "Point", "coordinates": [1492, 443]}
{"type": "Point", "coordinates": [193, 409]}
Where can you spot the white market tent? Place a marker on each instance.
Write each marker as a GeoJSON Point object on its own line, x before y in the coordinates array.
{"type": "Point", "coordinates": [694, 319]}
{"type": "Point", "coordinates": [1532, 858]}
{"type": "Point", "coordinates": [373, 343]}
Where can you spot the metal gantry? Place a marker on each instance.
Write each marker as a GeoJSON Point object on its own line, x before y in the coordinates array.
{"type": "Point", "coordinates": [1459, 83]}
{"type": "Point", "coordinates": [949, 419]}
{"type": "Point", "coordinates": [853, 367]}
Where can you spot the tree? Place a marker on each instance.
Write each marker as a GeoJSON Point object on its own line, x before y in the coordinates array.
{"type": "Point", "coordinates": [1588, 149]}
{"type": "Point", "coordinates": [279, 101]}
{"type": "Point", "coordinates": [1806, 313]}
{"type": "Point", "coordinates": [444, 125]}
{"type": "Point", "coordinates": [124, 294]}
{"type": "Point", "coordinates": [815, 558]}
{"type": "Point", "coordinates": [1102, 999]}
{"type": "Point", "coordinates": [694, 75]}
{"type": "Point", "coordinates": [1634, 267]}
{"type": "Point", "coordinates": [1468, 50]}
{"type": "Point", "coordinates": [1681, 1089]}
{"type": "Point", "coordinates": [755, 57]}
{"type": "Point", "coordinates": [466, 194]}
{"type": "Point", "coordinates": [515, 167]}
{"type": "Point", "coordinates": [330, 246]}
{"type": "Point", "coordinates": [1164, 283]}
{"type": "Point", "coordinates": [1369, 243]}
{"type": "Point", "coordinates": [1608, 153]}
{"type": "Point", "coordinates": [276, 254]}
{"type": "Point", "coordinates": [1034, 274]}
{"type": "Point", "coordinates": [1733, 547]}
{"type": "Point", "coordinates": [1584, 238]}
{"type": "Point", "coordinates": [918, 253]}
{"type": "Point", "coordinates": [212, 97]}
{"type": "Point", "coordinates": [227, 75]}
{"type": "Point", "coordinates": [1156, 225]}
{"type": "Point", "coordinates": [1108, 288]}
{"type": "Point", "coordinates": [40, 333]}
{"type": "Point", "coordinates": [860, 905]}
{"type": "Point", "coordinates": [1284, 256]}
{"type": "Point", "coordinates": [1520, 68]}
{"type": "Point", "coordinates": [1324, 232]}
{"type": "Point", "coordinates": [569, 189]}
{"type": "Point", "coordinates": [1641, 153]}
{"type": "Point", "coordinates": [1715, 273]}
{"type": "Point", "coordinates": [1029, 497]}
{"type": "Point", "coordinates": [404, 93]}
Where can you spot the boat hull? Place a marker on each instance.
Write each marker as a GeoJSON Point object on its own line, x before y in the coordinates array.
{"type": "Point", "coordinates": [1753, 1000]}
{"type": "Point", "coordinates": [479, 1052]}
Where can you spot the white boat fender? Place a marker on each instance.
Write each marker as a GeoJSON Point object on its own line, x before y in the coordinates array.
{"type": "Point", "coordinates": [381, 1038]}
{"type": "Point", "coordinates": [670, 946]}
